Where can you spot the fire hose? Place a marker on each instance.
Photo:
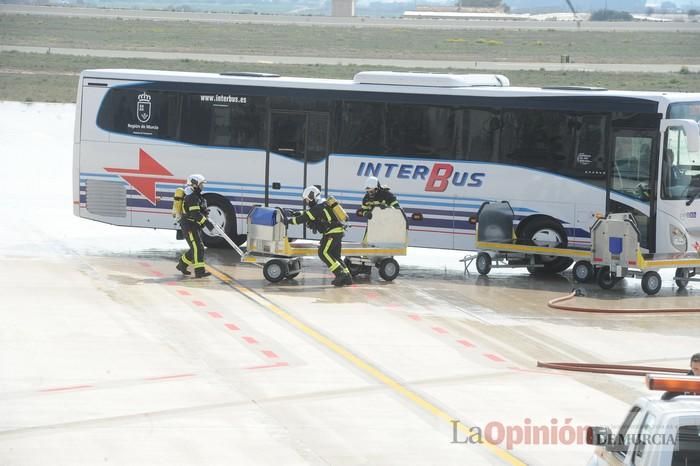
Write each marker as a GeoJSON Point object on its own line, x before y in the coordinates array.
{"type": "Point", "coordinates": [617, 369]}
{"type": "Point", "coordinates": [555, 304]}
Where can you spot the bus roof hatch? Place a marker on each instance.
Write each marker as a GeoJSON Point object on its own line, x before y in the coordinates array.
{"type": "Point", "coordinates": [402, 78]}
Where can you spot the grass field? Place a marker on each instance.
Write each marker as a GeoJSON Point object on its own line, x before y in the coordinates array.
{"type": "Point", "coordinates": [460, 45]}
{"type": "Point", "coordinates": [53, 78]}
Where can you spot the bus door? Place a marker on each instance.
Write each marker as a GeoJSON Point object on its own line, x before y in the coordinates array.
{"type": "Point", "coordinates": [631, 179]}
{"type": "Point", "coordinates": [296, 158]}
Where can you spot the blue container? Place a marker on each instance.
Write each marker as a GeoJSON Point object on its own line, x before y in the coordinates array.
{"type": "Point", "coordinates": [615, 245]}
{"type": "Point", "coordinates": [266, 216]}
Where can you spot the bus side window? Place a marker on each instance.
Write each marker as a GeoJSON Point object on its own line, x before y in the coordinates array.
{"type": "Point", "coordinates": [588, 162]}
{"type": "Point", "coordinates": [239, 124]}
{"type": "Point", "coordinates": [540, 139]}
{"type": "Point", "coordinates": [362, 128]}
{"type": "Point", "coordinates": [421, 130]}
{"type": "Point", "coordinates": [480, 134]}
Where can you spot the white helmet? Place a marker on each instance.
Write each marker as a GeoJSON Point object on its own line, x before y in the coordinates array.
{"type": "Point", "coordinates": [311, 193]}
{"type": "Point", "coordinates": [196, 181]}
{"type": "Point", "coordinates": [371, 183]}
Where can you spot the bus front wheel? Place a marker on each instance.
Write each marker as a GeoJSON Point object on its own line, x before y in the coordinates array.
{"type": "Point", "coordinates": [221, 213]}
{"type": "Point", "coordinates": [547, 232]}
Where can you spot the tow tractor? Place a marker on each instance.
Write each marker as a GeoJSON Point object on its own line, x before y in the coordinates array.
{"type": "Point", "coordinates": [654, 432]}
{"type": "Point", "coordinates": [386, 237]}
{"type": "Point", "coordinates": [615, 252]}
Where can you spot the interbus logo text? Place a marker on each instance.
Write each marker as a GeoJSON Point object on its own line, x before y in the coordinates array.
{"type": "Point", "coordinates": [438, 177]}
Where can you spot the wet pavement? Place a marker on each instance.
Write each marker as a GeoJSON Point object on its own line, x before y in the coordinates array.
{"type": "Point", "coordinates": [108, 355]}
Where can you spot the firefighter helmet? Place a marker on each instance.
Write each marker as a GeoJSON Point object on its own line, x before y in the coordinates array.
{"type": "Point", "coordinates": [371, 183]}
{"type": "Point", "coordinates": [196, 181]}
{"type": "Point", "coordinates": [311, 194]}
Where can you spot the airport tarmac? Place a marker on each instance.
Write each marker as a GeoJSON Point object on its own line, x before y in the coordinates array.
{"type": "Point", "coordinates": [108, 355]}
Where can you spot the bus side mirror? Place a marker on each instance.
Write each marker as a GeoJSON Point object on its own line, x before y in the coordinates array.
{"type": "Point", "coordinates": [690, 128]}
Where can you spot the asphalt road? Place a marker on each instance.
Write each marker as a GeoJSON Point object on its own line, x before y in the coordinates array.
{"type": "Point", "coordinates": [411, 64]}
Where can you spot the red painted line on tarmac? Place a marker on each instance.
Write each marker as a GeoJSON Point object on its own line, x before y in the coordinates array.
{"type": "Point", "coordinates": [393, 305]}
{"type": "Point", "coordinates": [166, 377]}
{"type": "Point", "coordinates": [199, 303]}
{"type": "Point", "coordinates": [251, 340]}
{"type": "Point", "coordinates": [156, 273]}
{"type": "Point", "coordinates": [144, 264]}
{"type": "Point", "coordinates": [414, 317]}
{"type": "Point", "coordinates": [268, 366]}
{"type": "Point", "coordinates": [63, 389]}
{"type": "Point", "coordinates": [466, 343]}
{"type": "Point", "coordinates": [183, 292]}
{"type": "Point", "coordinates": [493, 357]}
{"type": "Point", "coordinates": [172, 283]}
{"type": "Point", "coordinates": [270, 354]}
{"type": "Point", "coordinates": [233, 327]}
{"type": "Point", "coordinates": [215, 315]}
{"type": "Point", "coordinates": [440, 330]}
{"type": "Point", "coordinates": [372, 295]}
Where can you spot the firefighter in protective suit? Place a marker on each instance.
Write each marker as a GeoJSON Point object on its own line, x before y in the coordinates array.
{"type": "Point", "coordinates": [320, 217]}
{"type": "Point", "coordinates": [376, 195]}
{"type": "Point", "coordinates": [192, 221]}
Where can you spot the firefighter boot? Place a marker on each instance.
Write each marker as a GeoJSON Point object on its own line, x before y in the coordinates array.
{"type": "Point", "coordinates": [201, 273]}
{"type": "Point", "coordinates": [347, 278]}
{"type": "Point", "coordinates": [182, 267]}
{"type": "Point", "coordinates": [338, 280]}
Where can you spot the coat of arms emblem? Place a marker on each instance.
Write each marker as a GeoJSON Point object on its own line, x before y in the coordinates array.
{"type": "Point", "coordinates": [143, 108]}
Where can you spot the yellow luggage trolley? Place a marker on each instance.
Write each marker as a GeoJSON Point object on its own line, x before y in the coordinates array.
{"type": "Point", "coordinates": [500, 248]}
{"type": "Point", "coordinates": [268, 244]}
{"type": "Point", "coordinates": [615, 252]}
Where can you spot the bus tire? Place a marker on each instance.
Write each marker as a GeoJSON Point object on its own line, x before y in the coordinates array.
{"type": "Point", "coordinates": [223, 214]}
{"type": "Point", "coordinates": [651, 282]}
{"type": "Point", "coordinates": [547, 227]}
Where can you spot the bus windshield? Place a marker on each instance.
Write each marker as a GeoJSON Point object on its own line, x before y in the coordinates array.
{"type": "Point", "coordinates": [680, 169]}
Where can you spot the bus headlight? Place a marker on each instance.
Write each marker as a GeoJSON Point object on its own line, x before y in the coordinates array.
{"type": "Point", "coordinates": [678, 239]}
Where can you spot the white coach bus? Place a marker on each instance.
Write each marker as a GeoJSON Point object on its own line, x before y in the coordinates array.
{"type": "Point", "coordinates": [443, 143]}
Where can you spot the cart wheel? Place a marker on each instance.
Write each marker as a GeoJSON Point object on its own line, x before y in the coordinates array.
{"type": "Point", "coordinates": [483, 263]}
{"type": "Point", "coordinates": [355, 269]}
{"type": "Point", "coordinates": [275, 270]}
{"type": "Point", "coordinates": [297, 271]}
{"type": "Point", "coordinates": [606, 280]}
{"type": "Point", "coordinates": [682, 276]}
{"type": "Point", "coordinates": [651, 282]}
{"type": "Point", "coordinates": [583, 271]}
{"type": "Point", "coordinates": [388, 269]}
